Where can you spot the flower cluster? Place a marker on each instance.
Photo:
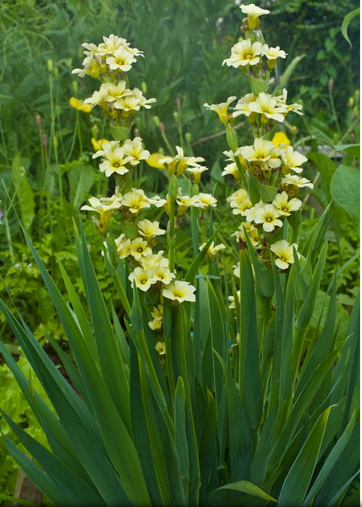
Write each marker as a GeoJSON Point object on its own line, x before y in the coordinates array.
{"type": "Point", "coordinates": [109, 62]}
{"type": "Point", "coordinates": [268, 173]}
{"type": "Point", "coordinates": [150, 271]}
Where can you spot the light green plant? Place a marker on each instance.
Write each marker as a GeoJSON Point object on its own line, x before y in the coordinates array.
{"type": "Point", "coordinates": [197, 397]}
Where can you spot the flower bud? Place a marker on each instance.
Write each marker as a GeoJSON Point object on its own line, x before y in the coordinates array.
{"type": "Point", "coordinates": [156, 121]}
{"type": "Point", "coordinates": [55, 142]}
{"type": "Point", "coordinates": [144, 87]}
{"type": "Point", "coordinates": [330, 84]}
{"type": "Point", "coordinates": [38, 121]}
{"type": "Point", "coordinates": [50, 65]}
{"type": "Point", "coordinates": [175, 116]}
{"type": "Point", "coordinates": [173, 187]}
{"type": "Point", "coordinates": [188, 137]}
{"type": "Point", "coordinates": [75, 87]}
{"type": "Point", "coordinates": [231, 139]}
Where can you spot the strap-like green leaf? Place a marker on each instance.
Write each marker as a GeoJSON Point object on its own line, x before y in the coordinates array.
{"type": "Point", "coordinates": [300, 474]}
{"type": "Point", "coordinates": [347, 19]}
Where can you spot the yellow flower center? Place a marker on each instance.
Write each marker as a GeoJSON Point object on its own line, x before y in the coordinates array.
{"type": "Point", "coordinates": [248, 56]}
{"type": "Point", "coordinates": [144, 280]}
{"type": "Point", "coordinates": [269, 219]}
{"type": "Point", "coordinates": [140, 249]}
{"type": "Point", "coordinates": [116, 165]}
{"type": "Point", "coordinates": [285, 209]}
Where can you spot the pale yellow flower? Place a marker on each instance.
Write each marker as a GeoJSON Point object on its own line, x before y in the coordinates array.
{"type": "Point", "coordinates": [285, 206]}
{"type": "Point", "coordinates": [292, 160]}
{"type": "Point", "coordinates": [268, 215]}
{"type": "Point", "coordinates": [133, 101]}
{"type": "Point", "coordinates": [231, 169]}
{"type": "Point", "coordinates": [100, 207]}
{"type": "Point", "coordinates": [163, 274]}
{"type": "Point", "coordinates": [253, 12]}
{"type": "Point", "coordinates": [157, 201]}
{"type": "Point", "coordinates": [124, 246]}
{"type": "Point", "coordinates": [213, 249]}
{"type": "Point", "coordinates": [221, 109]}
{"type": "Point", "coordinates": [239, 201]}
{"type": "Point", "coordinates": [156, 325]}
{"type": "Point", "coordinates": [150, 229]}
{"type": "Point", "coordinates": [293, 179]}
{"type": "Point", "coordinates": [284, 251]}
{"type": "Point", "coordinates": [134, 149]}
{"type": "Point", "coordinates": [143, 278]}
{"type": "Point", "coordinates": [273, 53]}
{"type": "Point", "coordinates": [266, 105]}
{"type": "Point", "coordinates": [179, 163]}
{"type": "Point", "coordinates": [160, 348]}
{"type": "Point", "coordinates": [185, 201]}
{"type": "Point", "coordinates": [261, 152]}
{"type": "Point", "coordinates": [108, 92]}
{"type": "Point", "coordinates": [114, 159]}
{"type": "Point", "coordinates": [135, 200]}
{"type": "Point", "coordinates": [250, 213]}
{"type": "Point", "coordinates": [196, 172]}
{"type": "Point", "coordinates": [242, 106]}
{"type": "Point", "coordinates": [91, 67]}
{"type": "Point", "coordinates": [244, 54]}
{"type": "Point", "coordinates": [251, 231]}
{"type": "Point", "coordinates": [140, 248]}
{"type": "Point", "coordinates": [80, 105]}
{"type": "Point", "coordinates": [206, 200]}
{"type": "Point", "coordinates": [180, 291]}
{"type": "Point", "coordinates": [157, 312]}
{"type": "Point", "coordinates": [153, 260]}
{"type": "Point", "coordinates": [110, 44]}
{"type": "Point", "coordinates": [282, 101]}
{"type": "Point", "coordinates": [121, 59]}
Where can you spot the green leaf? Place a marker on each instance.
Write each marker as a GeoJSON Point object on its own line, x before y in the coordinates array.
{"type": "Point", "coordinates": [326, 167]}
{"type": "Point", "coordinates": [263, 276]}
{"type": "Point", "coordinates": [306, 311]}
{"type": "Point", "coordinates": [329, 462]}
{"type": "Point", "coordinates": [190, 275]}
{"type": "Point", "coordinates": [347, 19]}
{"type": "Point", "coordinates": [352, 149]}
{"type": "Point", "coordinates": [250, 384]}
{"type": "Point", "coordinates": [23, 191]}
{"type": "Point", "coordinates": [257, 85]}
{"type": "Point", "coordinates": [109, 356]}
{"type": "Point", "coordinates": [180, 434]}
{"type": "Point", "coordinates": [240, 439]}
{"type": "Point", "coordinates": [260, 191]}
{"type": "Point", "coordinates": [81, 179]}
{"type": "Point", "coordinates": [72, 486]}
{"type": "Point", "coordinates": [36, 475]}
{"type": "Point", "coordinates": [345, 185]}
{"type": "Point", "coordinates": [300, 475]}
{"type": "Point", "coordinates": [249, 488]}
